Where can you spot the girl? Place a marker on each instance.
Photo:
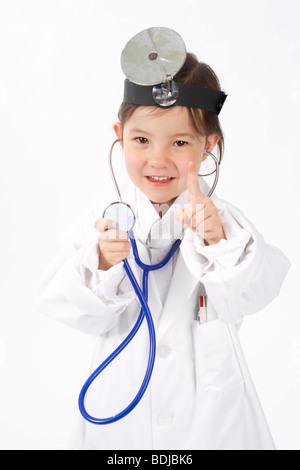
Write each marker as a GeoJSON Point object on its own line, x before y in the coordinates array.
{"type": "Point", "coordinates": [200, 395]}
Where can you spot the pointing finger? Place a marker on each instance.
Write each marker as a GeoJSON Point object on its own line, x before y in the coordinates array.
{"type": "Point", "coordinates": [192, 182]}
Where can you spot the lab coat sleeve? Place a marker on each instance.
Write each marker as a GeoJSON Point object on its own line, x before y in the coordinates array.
{"type": "Point", "coordinates": [74, 291]}
{"type": "Point", "coordinates": [241, 274]}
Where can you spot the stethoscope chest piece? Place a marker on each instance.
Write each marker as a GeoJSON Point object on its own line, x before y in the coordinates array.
{"type": "Point", "coordinates": [122, 213]}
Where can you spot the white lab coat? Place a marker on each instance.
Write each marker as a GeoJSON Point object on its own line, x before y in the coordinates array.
{"type": "Point", "coordinates": [201, 395]}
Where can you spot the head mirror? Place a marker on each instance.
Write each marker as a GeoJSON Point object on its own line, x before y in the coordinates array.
{"type": "Point", "coordinates": [153, 56]}
{"type": "Point", "coordinates": [121, 213]}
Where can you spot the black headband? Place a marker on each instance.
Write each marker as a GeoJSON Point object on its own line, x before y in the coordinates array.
{"type": "Point", "coordinates": [189, 96]}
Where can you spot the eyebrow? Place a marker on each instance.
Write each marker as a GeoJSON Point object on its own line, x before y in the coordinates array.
{"type": "Point", "coordinates": [139, 132]}
{"type": "Point", "coordinates": [184, 134]}
{"type": "Point", "coordinates": [181, 134]}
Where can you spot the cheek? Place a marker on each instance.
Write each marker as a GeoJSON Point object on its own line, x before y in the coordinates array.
{"type": "Point", "coordinates": [133, 165]}
{"type": "Point", "coordinates": [196, 158]}
{"type": "Point", "coordinates": [183, 169]}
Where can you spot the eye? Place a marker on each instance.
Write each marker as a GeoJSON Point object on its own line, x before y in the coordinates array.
{"type": "Point", "coordinates": [180, 143]}
{"type": "Point", "coordinates": [142, 140]}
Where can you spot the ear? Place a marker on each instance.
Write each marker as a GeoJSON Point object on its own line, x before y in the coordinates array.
{"type": "Point", "coordinates": [211, 142]}
{"type": "Point", "coordinates": [117, 127]}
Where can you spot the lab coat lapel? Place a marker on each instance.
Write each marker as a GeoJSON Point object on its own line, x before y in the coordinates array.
{"type": "Point", "coordinates": [181, 289]}
{"type": "Point", "coordinates": [154, 300]}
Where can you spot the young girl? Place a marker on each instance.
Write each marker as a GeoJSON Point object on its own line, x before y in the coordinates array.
{"type": "Point", "coordinates": [200, 395]}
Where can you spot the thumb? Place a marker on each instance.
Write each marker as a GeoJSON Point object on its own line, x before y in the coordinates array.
{"type": "Point", "coordinates": [104, 224]}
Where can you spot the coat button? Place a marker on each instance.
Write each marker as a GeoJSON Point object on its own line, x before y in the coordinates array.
{"type": "Point", "coordinates": [163, 351]}
{"type": "Point", "coordinates": [164, 420]}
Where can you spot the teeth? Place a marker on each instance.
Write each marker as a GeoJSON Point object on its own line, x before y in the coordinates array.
{"type": "Point", "coordinates": [160, 178]}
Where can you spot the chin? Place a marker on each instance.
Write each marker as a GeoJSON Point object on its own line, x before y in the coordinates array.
{"type": "Point", "coordinates": [162, 201]}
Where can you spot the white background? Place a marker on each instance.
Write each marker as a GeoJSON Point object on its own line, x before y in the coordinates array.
{"type": "Point", "coordinates": [60, 88]}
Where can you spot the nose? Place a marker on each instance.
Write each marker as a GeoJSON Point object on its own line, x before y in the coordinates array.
{"type": "Point", "coordinates": [159, 159]}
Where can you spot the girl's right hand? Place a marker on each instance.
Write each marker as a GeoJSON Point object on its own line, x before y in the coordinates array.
{"type": "Point", "coordinates": [114, 244]}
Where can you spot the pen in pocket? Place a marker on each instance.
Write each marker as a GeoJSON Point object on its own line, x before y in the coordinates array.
{"type": "Point", "coordinates": [202, 313]}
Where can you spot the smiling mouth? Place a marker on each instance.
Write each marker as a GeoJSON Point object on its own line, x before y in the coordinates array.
{"type": "Point", "coordinates": [160, 178]}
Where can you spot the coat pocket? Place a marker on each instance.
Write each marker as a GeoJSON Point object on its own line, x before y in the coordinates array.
{"type": "Point", "coordinates": [216, 362]}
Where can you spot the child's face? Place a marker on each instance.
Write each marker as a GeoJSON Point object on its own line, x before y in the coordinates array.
{"type": "Point", "coordinates": [158, 144]}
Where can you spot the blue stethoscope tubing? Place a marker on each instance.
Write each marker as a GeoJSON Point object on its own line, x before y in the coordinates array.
{"type": "Point", "coordinates": [142, 295]}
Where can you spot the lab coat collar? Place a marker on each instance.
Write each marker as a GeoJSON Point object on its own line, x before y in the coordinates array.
{"type": "Point", "coordinates": [159, 232]}
{"type": "Point", "coordinates": [149, 224]}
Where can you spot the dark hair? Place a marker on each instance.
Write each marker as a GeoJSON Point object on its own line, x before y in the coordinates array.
{"type": "Point", "coordinates": [198, 74]}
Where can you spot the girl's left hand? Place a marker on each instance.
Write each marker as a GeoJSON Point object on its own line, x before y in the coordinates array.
{"type": "Point", "coordinates": [200, 214]}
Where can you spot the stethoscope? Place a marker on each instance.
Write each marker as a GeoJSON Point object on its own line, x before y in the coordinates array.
{"type": "Point", "coordinates": [125, 217]}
